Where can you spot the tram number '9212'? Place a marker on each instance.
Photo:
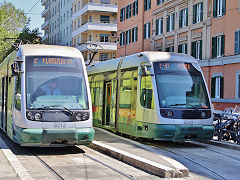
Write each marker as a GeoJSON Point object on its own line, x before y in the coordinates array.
{"type": "Point", "coordinates": [59, 125]}
{"type": "Point", "coordinates": [188, 122]}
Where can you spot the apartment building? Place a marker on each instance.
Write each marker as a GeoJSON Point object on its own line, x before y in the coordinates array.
{"type": "Point", "coordinates": [58, 22]}
{"type": "Point", "coordinates": [94, 24]}
{"type": "Point", "coordinates": [206, 29]}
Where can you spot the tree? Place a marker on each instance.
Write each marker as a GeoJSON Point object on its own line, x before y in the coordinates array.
{"type": "Point", "coordinates": [12, 21]}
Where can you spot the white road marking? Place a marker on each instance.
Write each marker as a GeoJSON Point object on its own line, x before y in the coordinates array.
{"type": "Point", "coordinates": [15, 163]}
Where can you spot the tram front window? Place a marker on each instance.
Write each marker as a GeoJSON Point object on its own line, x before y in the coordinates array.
{"type": "Point", "coordinates": [180, 85]}
{"type": "Point", "coordinates": [55, 81]}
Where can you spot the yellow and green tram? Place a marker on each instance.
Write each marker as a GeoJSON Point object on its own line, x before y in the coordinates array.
{"type": "Point", "coordinates": [157, 95]}
{"type": "Point", "coordinates": [45, 97]}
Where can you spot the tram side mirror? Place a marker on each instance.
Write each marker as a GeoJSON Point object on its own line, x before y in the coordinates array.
{"type": "Point", "coordinates": [146, 71]}
{"type": "Point", "coordinates": [15, 69]}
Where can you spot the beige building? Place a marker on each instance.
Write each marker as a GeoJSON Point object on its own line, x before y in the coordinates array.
{"type": "Point", "coordinates": [94, 25]}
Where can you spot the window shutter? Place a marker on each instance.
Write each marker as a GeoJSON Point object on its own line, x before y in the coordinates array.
{"type": "Point", "coordinates": [221, 87]}
{"type": "Point", "coordinates": [161, 26]}
{"type": "Point", "coordinates": [121, 15]}
{"type": "Point", "coordinates": [187, 17]}
{"type": "Point", "coordinates": [238, 86]}
{"type": "Point", "coordinates": [124, 38]}
{"type": "Point", "coordinates": [180, 48]}
{"type": "Point", "coordinates": [224, 7]}
{"type": "Point", "coordinates": [214, 8]}
{"type": "Point", "coordinates": [150, 4]}
{"type": "Point", "coordinates": [185, 49]}
{"type": "Point", "coordinates": [130, 10]}
{"type": "Point", "coordinates": [213, 86]}
{"type": "Point", "coordinates": [136, 33]}
{"type": "Point", "coordinates": [200, 56]}
{"type": "Point", "coordinates": [144, 31]}
{"type": "Point", "coordinates": [133, 34]}
{"type": "Point", "coordinates": [127, 12]}
{"type": "Point", "coordinates": [222, 44]}
{"type": "Point", "coordinates": [124, 12]}
{"type": "Point", "coordinates": [129, 35]}
{"type": "Point", "coordinates": [168, 23]}
{"type": "Point", "coordinates": [180, 18]}
{"type": "Point", "coordinates": [137, 7]}
{"type": "Point", "coordinates": [149, 30]}
{"type": "Point", "coordinates": [173, 21]}
{"type": "Point", "coordinates": [157, 27]}
{"type": "Point", "coordinates": [158, 2]}
{"type": "Point", "coordinates": [194, 49]}
{"type": "Point", "coordinates": [194, 13]}
{"type": "Point", "coordinates": [201, 11]}
{"type": "Point", "coordinates": [214, 47]}
{"type": "Point", "coordinates": [145, 5]}
{"type": "Point", "coordinates": [133, 10]}
{"type": "Point", "coordinates": [237, 43]}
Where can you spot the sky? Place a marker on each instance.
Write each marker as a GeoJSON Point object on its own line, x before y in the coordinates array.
{"type": "Point", "coordinates": [34, 14]}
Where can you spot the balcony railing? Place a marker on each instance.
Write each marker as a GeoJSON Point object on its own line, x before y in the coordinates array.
{"type": "Point", "coordinates": [45, 24]}
{"type": "Point", "coordinates": [43, 2]}
{"type": "Point", "coordinates": [45, 37]}
{"type": "Point", "coordinates": [106, 46]}
{"type": "Point", "coordinates": [44, 12]}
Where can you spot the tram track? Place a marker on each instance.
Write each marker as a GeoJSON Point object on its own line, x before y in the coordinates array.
{"type": "Point", "coordinates": [180, 154]}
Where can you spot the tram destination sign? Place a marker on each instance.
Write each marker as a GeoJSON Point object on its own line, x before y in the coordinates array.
{"type": "Point", "coordinates": [53, 61]}
{"type": "Point", "coordinates": [175, 66]}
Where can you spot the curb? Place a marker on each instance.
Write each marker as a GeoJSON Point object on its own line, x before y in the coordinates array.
{"type": "Point", "coordinates": [223, 144]}
{"type": "Point", "coordinates": [138, 162]}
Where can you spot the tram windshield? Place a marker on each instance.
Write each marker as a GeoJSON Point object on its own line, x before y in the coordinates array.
{"type": "Point", "coordinates": [180, 85]}
{"type": "Point", "coordinates": [55, 81]}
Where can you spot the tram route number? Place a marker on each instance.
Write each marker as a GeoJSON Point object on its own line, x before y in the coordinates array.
{"type": "Point", "coordinates": [59, 125]}
{"type": "Point", "coordinates": [188, 122]}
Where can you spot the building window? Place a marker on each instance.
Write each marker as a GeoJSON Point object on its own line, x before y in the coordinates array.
{"type": "Point", "coordinates": [78, 23]}
{"type": "Point", "coordinates": [103, 56]}
{"type": "Point", "coordinates": [64, 17]}
{"type": "Point", "coordinates": [147, 30]}
{"type": "Point", "coordinates": [159, 26]}
{"type": "Point", "coordinates": [217, 87]}
{"type": "Point", "coordinates": [128, 36]}
{"type": "Point", "coordinates": [170, 49]}
{"type": "Point", "coordinates": [122, 14]}
{"type": "Point", "coordinates": [104, 37]}
{"type": "Point", "coordinates": [219, 8]}
{"type": "Point", "coordinates": [78, 5]}
{"type": "Point", "coordinates": [78, 42]}
{"type": "Point", "coordinates": [122, 38]}
{"type": "Point", "coordinates": [160, 2]}
{"type": "Point", "coordinates": [182, 48]}
{"type": "Point", "coordinates": [147, 5]}
{"type": "Point", "coordinates": [237, 43]}
{"type": "Point", "coordinates": [67, 15]}
{"type": "Point", "coordinates": [237, 92]}
{"type": "Point", "coordinates": [135, 8]}
{"type": "Point", "coordinates": [128, 11]}
{"type": "Point", "coordinates": [105, 19]}
{"type": "Point", "coordinates": [197, 49]}
{"type": "Point", "coordinates": [134, 34]}
{"type": "Point", "coordinates": [218, 46]}
{"type": "Point", "coordinates": [183, 18]}
{"type": "Point", "coordinates": [198, 12]}
{"type": "Point", "coordinates": [170, 22]}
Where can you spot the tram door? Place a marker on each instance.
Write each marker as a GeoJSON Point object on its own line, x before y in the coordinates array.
{"type": "Point", "coordinates": [4, 104]}
{"type": "Point", "coordinates": [107, 103]}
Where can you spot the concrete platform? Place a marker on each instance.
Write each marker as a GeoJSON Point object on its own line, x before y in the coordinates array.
{"type": "Point", "coordinates": [137, 155]}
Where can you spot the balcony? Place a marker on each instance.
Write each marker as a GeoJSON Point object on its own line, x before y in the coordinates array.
{"type": "Point", "coordinates": [45, 24]}
{"type": "Point", "coordinates": [111, 8]}
{"type": "Point", "coordinates": [43, 2]}
{"type": "Point", "coordinates": [100, 46]}
{"type": "Point", "coordinates": [95, 26]}
{"type": "Point", "coordinates": [44, 12]}
{"type": "Point", "coordinates": [45, 37]}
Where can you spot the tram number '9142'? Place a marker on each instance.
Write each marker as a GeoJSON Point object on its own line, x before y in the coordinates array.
{"type": "Point", "coordinates": [188, 122]}
{"type": "Point", "coordinates": [59, 125]}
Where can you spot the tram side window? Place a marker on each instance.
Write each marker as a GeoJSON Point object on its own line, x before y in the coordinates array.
{"type": "Point", "coordinates": [18, 93]}
{"type": "Point", "coordinates": [146, 95]}
{"type": "Point", "coordinates": [125, 94]}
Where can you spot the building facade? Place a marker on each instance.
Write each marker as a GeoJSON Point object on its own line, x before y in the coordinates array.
{"type": "Point", "coordinates": [206, 29]}
{"type": "Point", "coordinates": [94, 24]}
{"type": "Point", "coordinates": [58, 22]}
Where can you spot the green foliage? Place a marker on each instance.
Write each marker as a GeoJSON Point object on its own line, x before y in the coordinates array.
{"type": "Point", "coordinates": [12, 21]}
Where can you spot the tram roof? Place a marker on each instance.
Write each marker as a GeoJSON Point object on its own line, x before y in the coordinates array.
{"type": "Point", "coordinates": [137, 59]}
{"type": "Point", "coordinates": [48, 50]}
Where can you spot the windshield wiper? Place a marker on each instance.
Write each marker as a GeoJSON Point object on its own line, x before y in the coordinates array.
{"type": "Point", "coordinates": [54, 106]}
{"type": "Point", "coordinates": [184, 104]}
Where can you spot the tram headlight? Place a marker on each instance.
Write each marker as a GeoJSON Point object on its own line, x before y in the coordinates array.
{"type": "Point", "coordinates": [169, 113]}
{"type": "Point", "coordinates": [79, 116]}
{"type": "Point", "coordinates": [85, 116]}
{"type": "Point", "coordinates": [38, 117]}
{"type": "Point", "coordinates": [30, 116]}
{"type": "Point", "coordinates": [203, 115]}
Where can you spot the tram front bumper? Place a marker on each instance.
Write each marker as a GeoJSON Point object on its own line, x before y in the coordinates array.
{"type": "Point", "coordinates": [53, 137]}
{"type": "Point", "coordinates": [183, 132]}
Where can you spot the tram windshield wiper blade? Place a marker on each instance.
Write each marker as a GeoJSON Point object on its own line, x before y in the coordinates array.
{"type": "Point", "coordinates": [184, 104]}
{"type": "Point", "coordinates": [55, 106]}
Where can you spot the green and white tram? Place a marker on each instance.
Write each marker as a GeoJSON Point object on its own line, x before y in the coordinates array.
{"type": "Point", "coordinates": [157, 95]}
{"type": "Point", "coordinates": [45, 97]}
